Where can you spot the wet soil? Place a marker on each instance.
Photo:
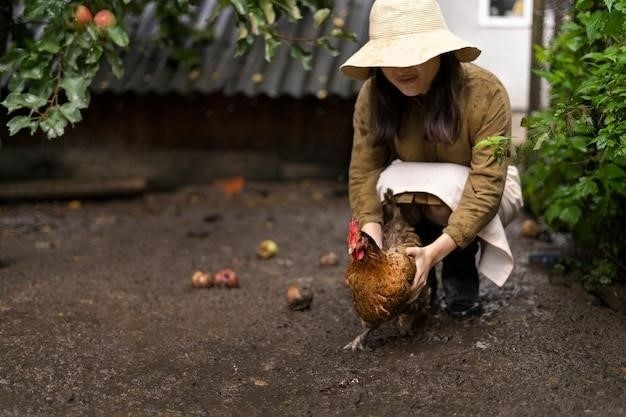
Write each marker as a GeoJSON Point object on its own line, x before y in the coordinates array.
{"type": "Point", "coordinates": [98, 318]}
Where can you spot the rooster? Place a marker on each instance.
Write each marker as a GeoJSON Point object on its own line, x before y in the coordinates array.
{"type": "Point", "coordinates": [380, 279]}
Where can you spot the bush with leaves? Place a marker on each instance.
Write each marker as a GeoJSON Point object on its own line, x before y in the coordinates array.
{"type": "Point", "coordinates": [52, 49]}
{"type": "Point", "coordinates": [575, 174]}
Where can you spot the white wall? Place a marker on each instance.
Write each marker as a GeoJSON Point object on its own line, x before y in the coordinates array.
{"type": "Point", "coordinates": [505, 51]}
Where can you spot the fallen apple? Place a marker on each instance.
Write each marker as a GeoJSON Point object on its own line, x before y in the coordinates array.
{"type": "Point", "coordinates": [226, 277]}
{"type": "Point", "coordinates": [299, 296]}
{"type": "Point", "coordinates": [530, 228]}
{"type": "Point", "coordinates": [329, 259]}
{"type": "Point", "coordinates": [267, 249]}
{"type": "Point", "coordinates": [201, 279]}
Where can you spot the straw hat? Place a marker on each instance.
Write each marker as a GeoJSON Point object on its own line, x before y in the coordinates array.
{"type": "Point", "coordinates": [403, 33]}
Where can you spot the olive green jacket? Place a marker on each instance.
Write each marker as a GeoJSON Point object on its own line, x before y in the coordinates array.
{"type": "Point", "coordinates": [485, 111]}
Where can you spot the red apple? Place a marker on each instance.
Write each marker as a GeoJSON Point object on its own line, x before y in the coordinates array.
{"type": "Point", "coordinates": [82, 16]}
{"type": "Point", "coordinates": [104, 19]}
{"type": "Point", "coordinates": [226, 277]}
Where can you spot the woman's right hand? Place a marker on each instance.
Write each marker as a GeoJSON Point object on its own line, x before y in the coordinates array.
{"type": "Point", "coordinates": [426, 257]}
{"type": "Point", "coordinates": [422, 267]}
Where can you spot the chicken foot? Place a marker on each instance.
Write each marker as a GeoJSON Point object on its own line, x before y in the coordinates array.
{"type": "Point", "coordinates": [358, 342]}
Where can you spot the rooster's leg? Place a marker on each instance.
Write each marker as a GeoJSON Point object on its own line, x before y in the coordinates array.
{"type": "Point", "coordinates": [358, 342]}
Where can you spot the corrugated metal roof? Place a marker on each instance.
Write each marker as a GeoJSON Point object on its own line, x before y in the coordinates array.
{"type": "Point", "coordinates": [148, 68]}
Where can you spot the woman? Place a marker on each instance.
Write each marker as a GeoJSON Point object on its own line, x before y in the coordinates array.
{"type": "Point", "coordinates": [423, 101]}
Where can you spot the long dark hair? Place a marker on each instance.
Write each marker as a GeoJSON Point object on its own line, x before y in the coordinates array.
{"type": "Point", "coordinates": [442, 116]}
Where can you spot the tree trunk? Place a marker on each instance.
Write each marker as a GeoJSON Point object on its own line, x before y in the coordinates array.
{"type": "Point", "coordinates": [6, 23]}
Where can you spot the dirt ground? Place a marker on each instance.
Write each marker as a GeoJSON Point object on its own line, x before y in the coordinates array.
{"type": "Point", "coordinates": [98, 318]}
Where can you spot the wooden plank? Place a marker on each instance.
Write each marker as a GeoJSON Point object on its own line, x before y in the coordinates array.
{"type": "Point", "coordinates": [64, 189]}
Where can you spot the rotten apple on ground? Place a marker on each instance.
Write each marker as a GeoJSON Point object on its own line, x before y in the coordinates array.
{"type": "Point", "coordinates": [226, 277]}
{"type": "Point", "coordinates": [299, 294]}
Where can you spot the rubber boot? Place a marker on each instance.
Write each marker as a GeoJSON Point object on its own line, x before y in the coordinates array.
{"type": "Point", "coordinates": [459, 277]}
{"type": "Point", "coordinates": [432, 284]}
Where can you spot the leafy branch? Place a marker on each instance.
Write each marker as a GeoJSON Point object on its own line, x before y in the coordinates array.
{"type": "Point", "coordinates": [57, 47]}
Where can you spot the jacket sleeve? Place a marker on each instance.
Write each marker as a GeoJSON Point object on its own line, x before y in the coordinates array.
{"type": "Point", "coordinates": [366, 163]}
{"type": "Point", "coordinates": [490, 115]}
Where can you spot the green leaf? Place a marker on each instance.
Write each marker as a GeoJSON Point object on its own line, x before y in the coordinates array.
{"type": "Point", "coordinates": [612, 171]}
{"type": "Point", "coordinates": [584, 4]}
{"type": "Point", "coordinates": [579, 143]}
{"type": "Point", "coordinates": [271, 45]}
{"type": "Point", "coordinates": [34, 11]}
{"type": "Point", "coordinates": [324, 42]}
{"type": "Point", "coordinates": [570, 215]}
{"type": "Point", "coordinates": [301, 55]}
{"type": "Point", "coordinates": [76, 90]}
{"type": "Point", "coordinates": [613, 25]}
{"type": "Point", "coordinates": [90, 34]}
{"type": "Point", "coordinates": [242, 32]}
{"type": "Point", "coordinates": [53, 124]}
{"type": "Point", "coordinates": [116, 63]}
{"type": "Point", "coordinates": [94, 55]}
{"type": "Point", "coordinates": [254, 23]}
{"type": "Point", "coordinates": [50, 45]}
{"type": "Point", "coordinates": [18, 123]}
{"type": "Point", "coordinates": [35, 73]}
{"type": "Point", "coordinates": [17, 83]}
{"type": "Point", "coordinates": [320, 16]}
{"type": "Point", "coordinates": [71, 112]}
{"type": "Point", "coordinates": [268, 11]}
{"type": "Point", "coordinates": [595, 24]}
{"type": "Point", "coordinates": [586, 187]}
{"type": "Point", "coordinates": [540, 140]}
{"type": "Point", "coordinates": [118, 35]}
{"type": "Point", "coordinates": [240, 6]}
{"type": "Point", "coordinates": [342, 33]}
{"type": "Point", "coordinates": [293, 10]}
{"type": "Point", "coordinates": [552, 213]}
{"type": "Point", "coordinates": [16, 101]}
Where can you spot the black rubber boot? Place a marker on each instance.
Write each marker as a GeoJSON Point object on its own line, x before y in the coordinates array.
{"type": "Point", "coordinates": [432, 284]}
{"type": "Point", "coordinates": [459, 277]}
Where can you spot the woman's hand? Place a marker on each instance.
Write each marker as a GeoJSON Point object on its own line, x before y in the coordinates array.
{"type": "Point", "coordinates": [426, 257]}
{"type": "Point", "coordinates": [375, 230]}
{"type": "Point", "coordinates": [423, 264]}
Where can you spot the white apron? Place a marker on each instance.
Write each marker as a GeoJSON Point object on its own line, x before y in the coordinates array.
{"type": "Point", "coordinates": [446, 181]}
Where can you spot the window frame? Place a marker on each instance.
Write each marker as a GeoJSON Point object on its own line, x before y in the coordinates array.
{"type": "Point", "coordinates": [486, 20]}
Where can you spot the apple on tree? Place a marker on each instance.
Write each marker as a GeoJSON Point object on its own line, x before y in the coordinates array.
{"type": "Point", "coordinates": [104, 19]}
{"type": "Point", "coordinates": [82, 16]}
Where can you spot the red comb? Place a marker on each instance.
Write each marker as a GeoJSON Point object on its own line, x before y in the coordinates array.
{"type": "Point", "coordinates": [353, 232]}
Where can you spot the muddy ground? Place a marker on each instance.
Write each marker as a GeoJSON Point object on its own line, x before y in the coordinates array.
{"type": "Point", "coordinates": [98, 318]}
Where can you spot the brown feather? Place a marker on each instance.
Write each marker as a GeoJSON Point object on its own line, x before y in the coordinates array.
{"type": "Point", "coordinates": [381, 280]}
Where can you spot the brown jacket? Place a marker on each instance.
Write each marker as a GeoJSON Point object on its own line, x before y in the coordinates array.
{"type": "Point", "coordinates": [485, 110]}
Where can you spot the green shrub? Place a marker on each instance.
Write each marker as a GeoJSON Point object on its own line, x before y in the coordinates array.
{"type": "Point", "coordinates": [575, 177]}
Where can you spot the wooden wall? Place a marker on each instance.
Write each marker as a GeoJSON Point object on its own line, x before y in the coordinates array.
{"type": "Point", "coordinates": [298, 130]}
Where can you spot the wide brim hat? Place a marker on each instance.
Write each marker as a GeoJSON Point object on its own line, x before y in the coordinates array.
{"type": "Point", "coordinates": [404, 33]}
